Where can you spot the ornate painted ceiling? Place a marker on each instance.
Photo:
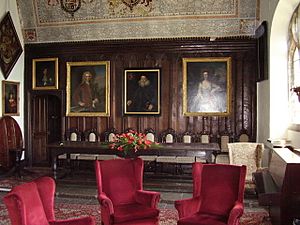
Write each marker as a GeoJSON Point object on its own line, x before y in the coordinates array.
{"type": "Point", "coordinates": [82, 20]}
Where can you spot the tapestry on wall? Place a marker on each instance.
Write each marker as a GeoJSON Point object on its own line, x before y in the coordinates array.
{"type": "Point", "coordinates": [10, 46]}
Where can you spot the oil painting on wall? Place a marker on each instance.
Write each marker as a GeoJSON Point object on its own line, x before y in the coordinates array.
{"type": "Point", "coordinates": [45, 74]}
{"type": "Point", "coordinates": [10, 98]}
{"type": "Point", "coordinates": [142, 92]}
{"type": "Point", "coordinates": [206, 86]}
{"type": "Point", "coordinates": [88, 88]}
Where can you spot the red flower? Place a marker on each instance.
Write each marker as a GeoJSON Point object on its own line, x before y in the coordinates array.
{"type": "Point", "coordinates": [131, 141]}
{"type": "Point", "coordinates": [147, 142]}
{"type": "Point", "coordinates": [120, 148]}
{"type": "Point", "coordinates": [131, 138]}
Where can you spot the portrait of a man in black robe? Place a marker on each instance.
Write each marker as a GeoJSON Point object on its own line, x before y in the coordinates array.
{"type": "Point", "coordinates": [142, 95]}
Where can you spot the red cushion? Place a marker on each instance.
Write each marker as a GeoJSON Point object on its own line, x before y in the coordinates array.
{"type": "Point", "coordinates": [215, 182]}
{"type": "Point", "coordinates": [119, 181]}
{"type": "Point", "coordinates": [202, 219]}
{"type": "Point", "coordinates": [29, 198]}
{"type": "Point", "coordinates": [217, 188]}
{"type": "Point", "coordinates": [132, 212]}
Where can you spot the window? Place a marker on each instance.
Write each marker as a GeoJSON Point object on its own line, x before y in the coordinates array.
{"type": "Point", "coordinates": [294, 66]}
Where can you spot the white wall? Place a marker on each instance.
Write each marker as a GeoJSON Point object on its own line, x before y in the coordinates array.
{"type": "Point", "coordinates": [263, 111]}
{"type": "Point", "coordinates": [17, 72]}
{"type": "Point", "coordinates": [272, 108]}
{"type": "Point", "coordinates": [279, 72]}
{"type": "Point", "coordinates": [267, 9]}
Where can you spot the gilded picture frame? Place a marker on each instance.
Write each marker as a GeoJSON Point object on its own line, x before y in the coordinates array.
{"type": "Point", "coordinates": [45, 74]}
{"type": "Point", "coordinates": [88, 88]}
{"type": "Point", "coordinates": [142, 91]}
{"type": "Point", "coordinates": [11, 48]}
{"type": "Point", "coordinates": [206, 86]}
{"type": "Point", "coordinates": [10, 98]}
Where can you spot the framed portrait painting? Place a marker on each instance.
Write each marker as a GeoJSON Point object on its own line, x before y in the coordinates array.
{"type": "Point", "coordinates": [142, 92]}
{"type": "Point", "coordinates": [206, 86]}
{"type": "Point", "coordinates": [10, 46]}
{"type": "Point", "coordinates": [88, 88]}
{"type": "Point", "coordinates": [45, 74]}
{"type": "Point", "coordinates": [10, 98]}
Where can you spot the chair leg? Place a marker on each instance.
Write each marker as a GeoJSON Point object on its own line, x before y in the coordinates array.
{"type": "Point", "coordinates": [148, 166]}
{"type": "Point", "coordinates": [177, 168]}
{"type": "Point", "coordinates": [18, 163]}
{"type": "Point", "coordinates": [180, 169]}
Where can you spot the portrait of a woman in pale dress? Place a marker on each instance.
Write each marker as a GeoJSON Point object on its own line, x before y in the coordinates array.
{"type": "Point", "coordinates": [209, 95]}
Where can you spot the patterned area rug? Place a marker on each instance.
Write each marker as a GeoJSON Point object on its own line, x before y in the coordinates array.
{"type": "Point", "coordinates": [167, 216]}
{"type": "Point", "coordinates": [77, 198]}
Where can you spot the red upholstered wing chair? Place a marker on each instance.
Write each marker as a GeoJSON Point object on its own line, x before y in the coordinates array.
{"type": "Point", "coordinates": [32, 203]}
{"type": "Point", "coordinates": [121, 196]}
{"type": "Point", "coordinates": [218, 196]}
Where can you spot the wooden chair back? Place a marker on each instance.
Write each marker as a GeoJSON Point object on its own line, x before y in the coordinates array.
{"type": "Point", "coordinates": [110, 135]}
{"type": "Point", "coordinates": [168, 136]}
{"type": "Point", "coordinates": [91, 135]}
{"type": "Point", "coordinates": [150, 134]}
{"type": "Point", "coordinates": [73, 134]}
{"type": "Point", "coordinates": [187, 137]}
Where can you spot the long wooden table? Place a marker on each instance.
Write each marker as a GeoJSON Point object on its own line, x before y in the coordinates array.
{"type": "Point", "coordinates": [175, 149]}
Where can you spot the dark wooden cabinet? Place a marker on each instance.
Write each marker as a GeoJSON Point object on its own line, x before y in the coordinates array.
{"type": "Point", "coordinates": [10, 142]}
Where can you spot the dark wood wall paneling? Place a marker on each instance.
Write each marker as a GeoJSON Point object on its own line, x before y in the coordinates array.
{"type": "Point", "coordinates": [165, 54]}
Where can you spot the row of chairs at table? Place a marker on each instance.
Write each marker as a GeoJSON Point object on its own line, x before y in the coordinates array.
{"type": "Point", "coordinates": [167, 136]}
{"type": "Point", "coordinates": [127, 203]}
{"type": "Point", "coordinates": [157, 163]}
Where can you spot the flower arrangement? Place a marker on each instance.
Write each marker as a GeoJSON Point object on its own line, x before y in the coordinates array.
{"type": "Point", "coordinates": [131, 141]}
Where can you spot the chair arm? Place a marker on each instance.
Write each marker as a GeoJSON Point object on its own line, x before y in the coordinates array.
{"type": "Point", "coordinates": [149, 198]}
{"type": "Point", "coordinates": [187, 207]}
{"type": "Point", "coordinates": [106, 203]}
{"type": "Point", "coordinates": [235, 213]}
{"type": "Point", "coordinates": [87, 220]}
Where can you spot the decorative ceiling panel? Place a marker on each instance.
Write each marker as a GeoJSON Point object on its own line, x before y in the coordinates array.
{"type": "Point", "coordinates": [80, 20]}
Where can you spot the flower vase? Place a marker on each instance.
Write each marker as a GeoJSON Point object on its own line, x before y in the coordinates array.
{"type": "Point", "coordinates": [127, 154]}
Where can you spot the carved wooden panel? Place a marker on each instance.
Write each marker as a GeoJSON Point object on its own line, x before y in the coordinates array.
{"type": "Point", "coordinates": [166, 55]}
{"type": "Point", "coordinates": [45, 125]}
